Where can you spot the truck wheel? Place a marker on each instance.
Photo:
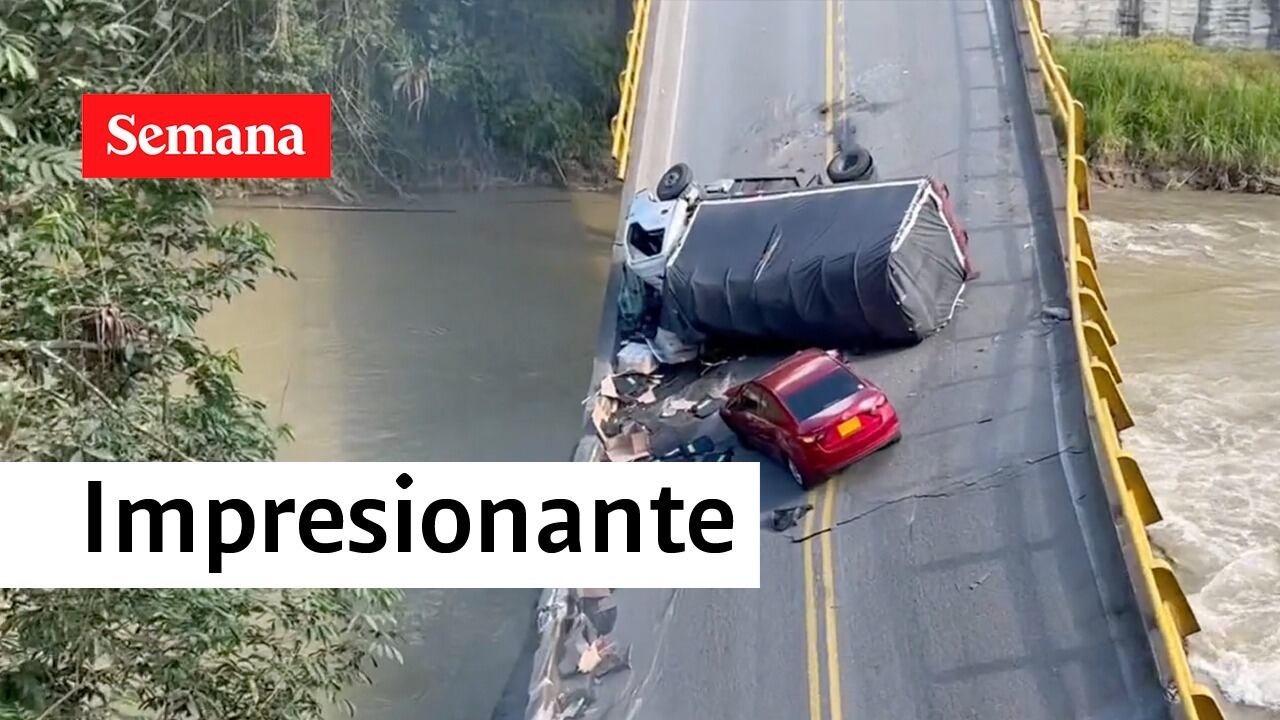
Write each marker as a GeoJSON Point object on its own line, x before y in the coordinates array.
{"type": "Point", "coordinates": [674, 181]}
{"type": "Point", "coordinates": [851, 165]}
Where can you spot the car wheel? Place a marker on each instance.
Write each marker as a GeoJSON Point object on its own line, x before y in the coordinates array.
{"type": "Point", "coordinates": [796, 474]}
{"type": "Point", "coordinates": [851, 165]}
{"type": "Point", "coordinates": [674, 181]}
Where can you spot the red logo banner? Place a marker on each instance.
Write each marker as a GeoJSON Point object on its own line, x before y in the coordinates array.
{"type": "Point", "coordinates": [206, 136]}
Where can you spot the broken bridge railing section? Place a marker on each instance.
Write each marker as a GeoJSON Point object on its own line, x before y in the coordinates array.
{"type": "Point", "coordinates": [1164, 605]}
{"type": "Point", "coordinates": [629, 86]}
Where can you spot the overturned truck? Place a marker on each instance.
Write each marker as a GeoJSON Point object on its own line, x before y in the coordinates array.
{"type": "Point", "coordinates": [856, 265]}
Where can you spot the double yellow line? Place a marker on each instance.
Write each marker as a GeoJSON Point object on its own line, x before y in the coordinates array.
{"type": "Point", "coordinates": [820, 590]}
{"type": "Point", "coordinates": [837, 70]}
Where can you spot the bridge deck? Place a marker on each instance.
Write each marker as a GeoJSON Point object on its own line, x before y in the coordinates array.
{"type": "Point", "coordinates": [973, 570]}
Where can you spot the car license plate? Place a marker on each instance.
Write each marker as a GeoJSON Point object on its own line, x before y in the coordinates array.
{"type": "Point", "coordinates": [849, 427]}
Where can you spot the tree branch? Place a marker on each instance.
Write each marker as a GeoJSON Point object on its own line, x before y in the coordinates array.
{"type": "Point", "coordinates": [84, 380]}
{"type": "Point", "coordinates": [65, 696]}
{"type": "Point", "coordinates": [37, 346]}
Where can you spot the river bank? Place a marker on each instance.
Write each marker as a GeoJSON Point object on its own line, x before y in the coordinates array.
{"type": "Point", "coordinates": [1165, 113]}
{"type": "Point", "coordinates": [1157, 178]}
{"type": "Point", "coordinates": [441, 199]}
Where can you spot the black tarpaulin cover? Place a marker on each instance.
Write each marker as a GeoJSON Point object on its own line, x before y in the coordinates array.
{"type": "Point", "coordinates": [847, 266]}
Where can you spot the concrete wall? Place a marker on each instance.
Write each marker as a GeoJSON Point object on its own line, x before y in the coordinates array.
{"type": "Point", "coordinates": [1225, 23]}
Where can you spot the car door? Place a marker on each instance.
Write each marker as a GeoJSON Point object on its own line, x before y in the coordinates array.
{"type": "Point", "coordinates": [775, 425]}
{"type": "Point", "coordinates": [747, 414]}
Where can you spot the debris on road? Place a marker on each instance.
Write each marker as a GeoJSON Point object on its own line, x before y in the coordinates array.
{"type": "Point", "coordinates": [637, 358]}
{"type": "Point", "coordinates": [630, 387]}
{"type": "Point", "coordinates": [673, 405]}
{"type": "Point", "coordinates": [576, 625]}
{"type": "Point", "coordinates": [667, 347]}
{"type": "Point", "coordinates": [630, 444]}
{"type": "Point", "coordinates": [600, 607]}
{"type": "Point", "coordinates": [601, 658]}
{"type": "Point", "coordinates": [708, 407]}
{"type": "Point", "coordinates": [786, 518]}
{"type": "Point", "coordinates": [592, 656]}
{"type": "Point", "coordinates": [1053, 314]}
{"type": "Point", "coordinates": [568, 706]}
{"type": "Point", "coordinates": [709, 365]}
{"type": "Point", "coordinates": [702, 449]}
{"type": "Point", "coordinates": [602, 416]}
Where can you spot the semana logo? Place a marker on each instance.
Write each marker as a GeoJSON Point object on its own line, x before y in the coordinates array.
{"type": "Point", "coordinates": [206, 136]}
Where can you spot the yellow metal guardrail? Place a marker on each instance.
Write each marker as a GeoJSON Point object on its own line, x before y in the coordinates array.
{"type": "Point", "coordinates": [1164, 604]}
{"type": "Point", "coordinates": [629, 86]}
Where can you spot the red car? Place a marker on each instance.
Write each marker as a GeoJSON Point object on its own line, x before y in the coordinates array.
{"type": "Point", "coordinates": [813, 413]}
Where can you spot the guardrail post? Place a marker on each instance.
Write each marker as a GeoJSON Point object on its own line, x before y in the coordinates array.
{"type": "Point", "coordinates": [1082, 182]}
{"type": "Point", "coordinates": [1205, 704]}
{"type": "Point", "coordinates": [1098, 348]}
{"type": "Point", "coordinates": [1092, 311]}
{"type": "Point", "coordinates": [1174, 599]}
{"type": "Point", "coordinates": [1084, 237]}
{"type": "Point", "coordinates": [1110, 391]}
{"type": "Point", "coordinates": [1136, 484]}
{"type": "Point", "coordinates": [1089, 279]}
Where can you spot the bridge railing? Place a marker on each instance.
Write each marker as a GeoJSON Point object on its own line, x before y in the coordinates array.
{"type": "Point", "coordinates": [1165, 607]}
{"type": "Point", "coordinates": [628, 86]}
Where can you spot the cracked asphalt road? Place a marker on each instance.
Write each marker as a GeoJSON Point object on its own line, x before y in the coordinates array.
{"type": "Point", "coordinates": [974, 568]}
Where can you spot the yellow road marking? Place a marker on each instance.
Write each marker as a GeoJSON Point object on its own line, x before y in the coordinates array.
{"type": "Point", "coordinates": [827, 505]}
{"type": "Point", "coordinates": [836, 95]}
{"type": "Point", "coordinates": [843, 85]}
{"type": "Point", "coordinates": [811, 616]}
{"type": "Point", "coordinates": [829, 595]}
{"type": "Point", "coordinates": [831, 78]}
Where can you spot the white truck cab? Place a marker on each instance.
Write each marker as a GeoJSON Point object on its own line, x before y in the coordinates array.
{"type": "Point", "coordinates": [654, 230]}
{"type": "Point", "coordinates": [658, 219]}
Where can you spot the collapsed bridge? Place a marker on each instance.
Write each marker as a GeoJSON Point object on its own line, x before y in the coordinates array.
{"type": "Point", "coordinates": [994, 563]}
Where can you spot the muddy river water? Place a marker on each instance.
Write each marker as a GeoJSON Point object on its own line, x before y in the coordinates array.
{"type": "Point", "coordinates": [1193, 281]}
{"type": "Point", "coordinates": [466, 334]}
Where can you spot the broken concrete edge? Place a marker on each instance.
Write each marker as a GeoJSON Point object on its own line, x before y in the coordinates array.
{"type": "Point", "coordinates": [548, 692]}
{"type": "Point", "coordinates": [560, 609]}
{"type": "Point", "coordinates": [543, 685]}
{"type": "Point", "coordinates": [544, 681]}
{"type": "Point", "coordinates": [575, 625]}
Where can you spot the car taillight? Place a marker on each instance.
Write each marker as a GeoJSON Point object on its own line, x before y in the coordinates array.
{"type": "Point", "coordinates": [809, 439]}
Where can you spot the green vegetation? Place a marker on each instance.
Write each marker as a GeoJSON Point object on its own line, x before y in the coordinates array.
{"type": "Point", "coordinates": [184, 654]}
{"type": "Point", "coordinates": [424, 91]}
{"type": "Point", "coordinates": [1168, 105]}
{"type": "Point", "coordinates": [102, 285]}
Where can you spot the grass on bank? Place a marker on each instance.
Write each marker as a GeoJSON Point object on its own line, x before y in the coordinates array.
{"type": "Point", "coordinates": [1157, 104]}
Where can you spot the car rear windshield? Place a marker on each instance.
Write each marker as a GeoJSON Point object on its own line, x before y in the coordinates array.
{"type": "Point", "coordinates": [806, 401]}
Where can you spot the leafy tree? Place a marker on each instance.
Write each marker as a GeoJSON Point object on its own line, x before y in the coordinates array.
{"type": "Point", "coordinates": [101, 287]}
{"type": "Point", "coordinates": [423, 90]}
{"type": "Point", "coordinates": [169, 654]}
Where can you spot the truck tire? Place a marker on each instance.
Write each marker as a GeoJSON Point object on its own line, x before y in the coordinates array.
{"type": "Point", "coordinates": [674, 181]}
{"type": "Point", "coordinates": [851, 165]}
